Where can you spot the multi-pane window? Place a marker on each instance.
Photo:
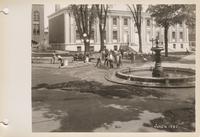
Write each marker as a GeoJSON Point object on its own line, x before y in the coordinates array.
{"type": "Point", "coordinates": [77, 35]}
{"type": "Point", "coordinates": [36, 16]}
{"type": "Point", "coordinates": [36, 29]}
{"type": "Point", "coordinates": [114, 35]}
{"type": "Point", "coordinates": [148, 22]}
{"type": "Point", "coordinates": [158, 35]}
{"type": "Point", "coordinates": [115, 47]}
{"type": "Point", "coordinates": [92, 35]}
{"type": "Point", "coordinates": [92, 48]}
{"type": "Point", "coordinates": [104, 35]}
{"type": "Point", "coordinates": [181, 24]}
{"type": "Point", "coordinates": [79, 48]}
{"type": "Point", "coordinates": [114, 21]}
{"type": "Point", "coordinates": [173, 35]}
{"type": "Point", "coordinates": [148, 36]}
{"type": "Point", "coordinates": [174, 46]}
{"type": "Point", "coordinates": [181, 35]}
{"type": "Point", "coordinates": [125, 21]}
{"type": "Point", "coordinates": [182, 46]}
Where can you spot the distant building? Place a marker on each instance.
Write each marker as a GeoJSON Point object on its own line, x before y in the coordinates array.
{"type": "Point", "coordinates": [192, 38]}
{"type": "Point", "coordinates": [120, 31]}
{"type": "Point", "coordinates": [37, 20]}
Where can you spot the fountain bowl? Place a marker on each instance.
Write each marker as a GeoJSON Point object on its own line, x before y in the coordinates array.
{"type": "Point", "coordinates": [173, 77]}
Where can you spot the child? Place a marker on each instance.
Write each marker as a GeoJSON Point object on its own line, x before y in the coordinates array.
{"type": "Point", "coordinates": [61, 61]}
{"type": "Point", "coordinates": [54, 58]}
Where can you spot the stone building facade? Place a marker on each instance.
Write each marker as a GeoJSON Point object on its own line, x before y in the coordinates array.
{"type": "Point", "coordinates": [37, 25]}
{"type": "Point", "coordinates": [120, 31]}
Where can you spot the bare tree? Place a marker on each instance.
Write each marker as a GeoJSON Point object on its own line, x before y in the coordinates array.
{"type": "Point", "coordinates": [102, 11]}
{"type": "Point", "coordinates": [136, 11]}
{"type": "Point", "coordinates": [84, 16]}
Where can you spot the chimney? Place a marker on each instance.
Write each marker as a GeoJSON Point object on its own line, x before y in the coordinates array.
{"type": "Point", "coordinates": [57, 7]}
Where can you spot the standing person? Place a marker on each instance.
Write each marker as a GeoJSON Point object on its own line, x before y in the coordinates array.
{"type": "Point", "coordinates": [120, 59]}
{"type": "Point", "coordinates": [106, 58]}
{"type": "Point", "coordinates": [103, 54]}
{"type": "Point", "coordinates": [117, 60]}
{"type": "Point", "coordinates": [132, 57]}
{"type": "Point", "coordinates": [61, 61]}
{"type": "Point", "coordinates": [53, 58]}
{"type": "Point", "coordinates": [122, 52]}
{"type": "Point", "coordinates": [111, 58]}
{"type": "Point", "coordinates": [99, 57]}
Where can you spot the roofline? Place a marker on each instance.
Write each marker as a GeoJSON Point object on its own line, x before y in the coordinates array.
{"type": "Point", "coordinates": [57, 12]}
{"type": "Point", "coordinates": [125, 13]}
{"type": "Point", "coordinates": [37, 4]}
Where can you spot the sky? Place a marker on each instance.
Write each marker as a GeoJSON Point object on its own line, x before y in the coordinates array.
{"type": "Point", "coordinates": [49, 8]}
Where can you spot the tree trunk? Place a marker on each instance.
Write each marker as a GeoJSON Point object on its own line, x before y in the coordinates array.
{"type": "Point", "coordinates": [101, 38]}
{"type": "Point", "coordinates": [87, 45]}
{"type": "Point", "coordinates": [140, 40]}
{"type": "Point", "coordinates": [166, 40]}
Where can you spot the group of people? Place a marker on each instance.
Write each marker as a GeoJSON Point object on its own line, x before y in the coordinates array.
{"type": "Point", "coordinates": [109, 58]}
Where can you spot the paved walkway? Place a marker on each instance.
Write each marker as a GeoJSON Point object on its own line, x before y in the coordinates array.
{"type": "Point", "coordinates": [75, 64]}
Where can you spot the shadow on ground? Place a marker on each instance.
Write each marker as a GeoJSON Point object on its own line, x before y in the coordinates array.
{"type": "Point", "coordinates": [122, 91]}
{"type": "Point", "coordinates": [83, 106]}
{"type": "Point", "coordinates": [175, 120]}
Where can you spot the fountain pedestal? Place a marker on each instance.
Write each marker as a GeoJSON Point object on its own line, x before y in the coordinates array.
{"type": "Point", "coordinates": [157, 70]}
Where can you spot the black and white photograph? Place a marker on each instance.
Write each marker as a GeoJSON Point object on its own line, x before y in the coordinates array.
{"type": "Point", "coordinates": [113, 67]}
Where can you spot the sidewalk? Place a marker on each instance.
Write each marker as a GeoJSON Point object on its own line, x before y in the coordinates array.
{"type": "Point", "coordinates": [74, 64]}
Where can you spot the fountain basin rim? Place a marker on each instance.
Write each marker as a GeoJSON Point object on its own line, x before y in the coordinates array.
{"type": "Point", "coordinates": [188, 70]}
{"type": "Point", "coordinates": [153, 80]}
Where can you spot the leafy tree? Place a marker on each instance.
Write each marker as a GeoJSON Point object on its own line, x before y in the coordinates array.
{"type": "Point", "coordinates": [136, 11]}
{"type": "Point", "coordinates": [102, 11]}
{"type": "Point", "coordinates": [166, 16]}
{"type": "Point", "coordinates": [85, 16]}
{"type": "Point", "coordinates": [189, 13]}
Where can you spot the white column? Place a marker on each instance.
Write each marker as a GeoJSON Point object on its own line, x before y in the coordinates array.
{"type": "Point", "coordinates": [129, 30]}
{"type": "Point", "coordinates": [107, 29]}
{"type": "Point", "coordinates": [120, 30]}
{"type": "Point", "coordinates": [177, 33]}
{"type": "Point", "coordinates": [110, 30]}
{"type": "Point", "coordinates": [186, 37]}
{"type": "Point", "coordinates": [67, 27]}
{"type": "Point", "coordinates": [97, 40]}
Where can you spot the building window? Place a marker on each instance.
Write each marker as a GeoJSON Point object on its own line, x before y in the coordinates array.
{"type": "Point", "coordinates": [104, 35]}
{"type": "Point", "coordinates": [148, 22]}
{"type": "Point", "coordinates": [79, 48]}
{"type": "Point", "coordinates": [158, 35]}
{"type": "Point", "coordinates": [92, 48]}
{"type": "Point", "coordinates": [182, 46]}
{"type": "Point", "coordinates": [77, 35]}
{"type": "Point", "coordinates": [92, 35]}
{"type": "Point", "coordinates": [115, 47]}
{"type": "Point", "coordinates": [135, 28]}
{"type": "Point", "coordinates": [114, 21]}
{"type": "Point", "coordinates": [181, 35]}
{"type": "Point", "coordinates": [181, 24]}
{"type": "Point", "coordinates": [148, 36]}
{"type": "Point", "coordinates": [174, 46]}
{"type": "Point", "coordinates": [125, 21]}
{"type": "Point", "coordinates": [173, 35]}
{"type": "Point", "coordinates": [114, 35]}
{"type": "Point", "coordinates": [36, 29]}
{"type": "Point", "coordinates": [36, 16]}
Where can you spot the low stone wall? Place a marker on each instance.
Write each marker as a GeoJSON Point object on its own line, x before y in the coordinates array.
{"type": "Point", "coordinates": [48, 60]}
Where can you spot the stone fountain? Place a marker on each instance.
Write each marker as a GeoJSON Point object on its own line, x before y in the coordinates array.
{"type": "Point", "coordinates": [155, 77]}
{"type": "Point", "coordinates": [157, 70]}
